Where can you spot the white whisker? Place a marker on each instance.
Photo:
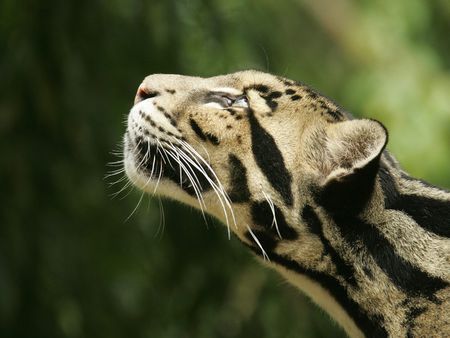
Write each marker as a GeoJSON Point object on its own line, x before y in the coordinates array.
{"type": "Point", "coordinates": [140, 200]}
{"type": "Point", "coordinates": [121, 179]}
{"type": "Point", "coordinates": [114, 173]}
{"type": "Point", "coordinates": [126, 186]}
{"type": "Point", "coordinates": [116, 163]}
{"type": "Point", "coordinates": [218, 189]}
{"type": "Point", "coordinates": [163, 152]}
{"type": "Point", "coordinates": [153, 166]}
{"type": "Point", "coordinates": [192, 181]}
{"type": "Point", "coordinates": [162, 219]}
{"type": "Point", "coordinates": [258, 243]}
{"type": "Point", "coordinates": [159, 177]}
{"type": "Point", "coordinates": [272, 208]}
{"type": "Point", "coordinates": [183, 161]}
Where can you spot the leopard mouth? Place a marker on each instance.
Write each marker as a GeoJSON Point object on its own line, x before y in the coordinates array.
{"type": "Point", "coordinates": [160, 160]}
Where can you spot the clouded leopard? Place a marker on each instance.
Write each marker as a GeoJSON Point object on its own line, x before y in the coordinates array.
{"type": "Point", "coordinates": [306, 187]}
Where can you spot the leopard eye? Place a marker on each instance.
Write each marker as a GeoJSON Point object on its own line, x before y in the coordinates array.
{"type": "Point", "coordinates": [241, 102]}
{"type": "Point", "coordinates": [228, 102]}
{"type": "Point", "coordinates": [222, 99]}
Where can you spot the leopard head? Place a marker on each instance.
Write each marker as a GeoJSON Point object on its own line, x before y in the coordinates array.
{"type": "Point", "coordinates": [249, 148]}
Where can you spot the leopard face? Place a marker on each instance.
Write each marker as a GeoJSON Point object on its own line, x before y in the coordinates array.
{"type": "Point", "coordinates": [244, 147]}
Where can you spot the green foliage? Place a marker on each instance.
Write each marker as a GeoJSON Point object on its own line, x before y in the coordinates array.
{"type": "Point", "coordinates": [70, 265]}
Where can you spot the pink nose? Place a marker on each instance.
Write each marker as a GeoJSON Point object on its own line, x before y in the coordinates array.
{"type": "Point", "coordinates": [144, 93]}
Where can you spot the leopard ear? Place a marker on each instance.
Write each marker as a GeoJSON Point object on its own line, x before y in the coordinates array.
{"type": "Point", "coordinates": [353, 151]}
{"type": "Point", "coordinates": [352, 145]}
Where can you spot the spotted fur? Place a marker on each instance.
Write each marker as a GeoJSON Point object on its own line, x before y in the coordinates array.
{"type": "Point", "coordinates": [306, 187]}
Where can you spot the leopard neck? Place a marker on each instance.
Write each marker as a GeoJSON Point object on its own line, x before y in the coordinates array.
{"type": "Point", "coordinates": [382, 272]}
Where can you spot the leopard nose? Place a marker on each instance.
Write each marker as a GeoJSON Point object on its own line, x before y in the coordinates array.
{"type": "Point", "coordinates": [144, 93]}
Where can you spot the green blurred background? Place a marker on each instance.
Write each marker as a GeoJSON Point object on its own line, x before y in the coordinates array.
{"type": "Point", "coordinates": [71, 265]}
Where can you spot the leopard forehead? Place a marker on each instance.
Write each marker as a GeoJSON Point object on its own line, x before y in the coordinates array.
{"type": "Point", "coordinates": [269, 86]}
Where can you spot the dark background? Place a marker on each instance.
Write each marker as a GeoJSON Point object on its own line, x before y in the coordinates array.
{"type": "Point", "coordinates": [71, 265]}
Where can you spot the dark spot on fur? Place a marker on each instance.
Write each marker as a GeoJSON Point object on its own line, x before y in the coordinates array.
{"type": "Point", "coordinates": [171, 119]}
{"type": "Point", "coordinates": [431, 214]}
{"type": "Point", "coordinates": [311, 93]}
{"type": "Point", "coordinates": [171, 91]}
{"type": "Point", "coordinates": [289, 91]}
{"type": "Point", "coordinates": [231, 111]}
{"type": "Point", "coordinates": [287, 82]}
{"type": "Point", "coordinates": [315, 226]}
{"type": "Point", "coordinates": [263, 216]}
{"type": "Point", "coordinates": [260, 88]}
{"type": "Point", "coordinates": [388, 186]}
{"type": "Point", "coordinates": [213, 139]}
{"type": "Point", "coordinates": [370, 325]}
{"type": "Point", "coordinates": [335, 114]}
{"type": "Point", "coordinates": [365, 237]}
{"type": "Point", "coordinates": [267, 241]}
{"type": "Point", "coordinates": [274, 95]}
{"type": "Point", "coordinates": [272, 105]}
{"type": "Point", "coordinates": [196, 128]}
{"type": "Point", "coordinates": [238, 180]}
{"type": "Point", "coordinates": [411, 316]}
{"type": "Point", "coordinates": [295, 97]}
{"type": "Point", "coordinates": [150, 120]}
{"type": "Point", "coordinates": [270, 160]}
{"type": "Point", "coordinates": [270, 99]}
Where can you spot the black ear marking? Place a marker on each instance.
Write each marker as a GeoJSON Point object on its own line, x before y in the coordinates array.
{"type": "Point", "coordinates": [356, 148]}
{"type": "Point", "coordinates": [349, 193]}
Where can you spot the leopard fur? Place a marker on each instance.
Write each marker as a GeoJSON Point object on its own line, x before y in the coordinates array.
{"type": "Point", "coordinates": [305, 186]}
